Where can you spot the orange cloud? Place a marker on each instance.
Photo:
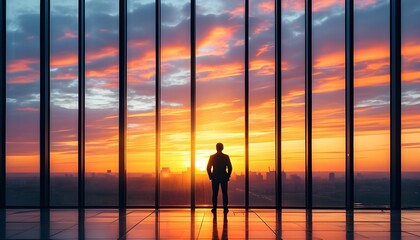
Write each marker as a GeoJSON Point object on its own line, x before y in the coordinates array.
{"type": "Point", "coordinates": [263, 49]}
{"type": "Point", "coordinates": [237, 12]}
{"type": "Point", "coordinates": [105, 52]}
{"type": "Point", "coordinates": [139, 43]}
{"type": "Point", "coordinates": [216, 42]}
{"type": "Point", "coordinates": [266, 7]}
{"type": "Point", "coordinates": [374, 58]}
{"type": "Point", "coordinates": [379, 51]}
{"type": "Point", "coordinates": [108, 72]}
{"type": "Point", "coordinates": [175, 53]}
{"type": "Point", "coordinates": [64, 76]}
{"type": "Point", "coordinates": [364, 3]}
{"type": "Point", "coordinates": [28, 109]}
{"type": "Point", "coordinates": [64, 59]}
{"type": "Point", "coordinates": [293, 5]}
{"type": "Point", "coordinates": [208, 72]}
{"type": "Point", "coordinates": [22, 65]}
{"type": "Point", "coordinates": [330, 84]}
{"type": "Point", "coordinates": [142, 68]}
{"type": "Point", "coordinates": [410, 50]}
{"type": "Point", "coordinates": [262, 67]}
{"type": "Point", "coordinates": [31, 77]}
{"type": "Point", "coordinates": [330, 60]}
{"type": "Point", "coordinates": [68, 35]}
{"type": "Point", "coordinates": [262, 26]}
{"type": "Point", "coordinates": [410, 54]}
{"type": "Point", "coordinates": [322, 5]}
{"type": "Point", "coordinates": [325, 4]}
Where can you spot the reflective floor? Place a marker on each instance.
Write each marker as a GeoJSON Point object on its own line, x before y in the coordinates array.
{"type": "Point", "coordinates": [201, 224]}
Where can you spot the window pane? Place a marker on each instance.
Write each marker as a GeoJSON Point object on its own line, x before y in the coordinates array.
{"type": "Point", "coordinates": [328, 116]}
{"type": "Point", "coordinates": [262, 105]}
{"type": "Point", "coordinates": [293, 103]}
{"type": "Point", "coordinates": [371, 96]}
{"type": "Point", "coordinates": [220, 93]}
{"type": "Point", "coordinates": [22, 93]}
{"type": "Point", "coordinates": [141, 104]}
{"type": "Point", "coordinates": [64, 102]}
{"type": "Point", "coordinates": [175, 175]}
{"type": "Point", "coordinates": [102, 102]}
{"type": "Point", "coordinates": [410, 103]}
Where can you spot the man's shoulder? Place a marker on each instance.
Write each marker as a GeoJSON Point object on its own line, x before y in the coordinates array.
{"type": "Point", "coordinates": [223, 156]}
{"type": "Point", "coordinates": [219, 156]}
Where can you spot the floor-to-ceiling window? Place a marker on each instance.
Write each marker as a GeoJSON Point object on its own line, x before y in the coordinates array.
{"type": "Point", "coordinates": [220, 93]}
{"type": "Point", "coordinates": [328, 116]}
{"type": "Point", "coordinates": [410, 103]}
{"type": "Point", "coordinates": [220, 102]}
{"type": "Point", "coordinates": [141, 139]}
{"type": "Point", "coordinates": [293, 103]}
{"type": "Point", "coordinates": [371, 103]}
{"type": "Point", "coordinates": [175, 170]}
{"type": "Point", "coordinates": [262, 168]}
{"type": "Point", "coordinates": [22, 102]}
{"type": "Point", "coordinates": [64, 102]}
{"type": "Point", "coordinates": [102, 102]}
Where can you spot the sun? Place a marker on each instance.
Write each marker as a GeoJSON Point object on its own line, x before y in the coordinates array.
{"type": "Point", "coordinates": [201, 164]}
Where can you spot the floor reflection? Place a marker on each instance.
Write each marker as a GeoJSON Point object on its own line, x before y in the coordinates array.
{"type": "Point", "coordinates": [225, 228]}
{"type": "Point", "coordinates": [202, 224]}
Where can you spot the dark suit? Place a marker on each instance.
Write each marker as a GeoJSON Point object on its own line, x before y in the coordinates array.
{"type": "Point", "coordinates": [219, 176]}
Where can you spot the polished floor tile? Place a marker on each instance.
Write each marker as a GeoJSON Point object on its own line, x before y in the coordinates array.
{"type": "Point", "coordinates": [202, 224]}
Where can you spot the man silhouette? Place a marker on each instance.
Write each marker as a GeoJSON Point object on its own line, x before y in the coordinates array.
{"type": "Point", "coordinates": [219, 162]}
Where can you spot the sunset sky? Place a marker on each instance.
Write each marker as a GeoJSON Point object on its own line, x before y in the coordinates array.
{"type": "Point", "coordinates": [220, 85]}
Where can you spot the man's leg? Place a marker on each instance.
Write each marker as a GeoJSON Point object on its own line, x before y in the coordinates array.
{"type": "Point", "coordinates": [224, 186]}
{"type": "Point", "coordinates": [215, 188]}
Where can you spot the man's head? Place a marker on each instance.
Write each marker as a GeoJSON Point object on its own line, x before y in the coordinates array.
{"type": "Point", "coordinates": [219, 147]}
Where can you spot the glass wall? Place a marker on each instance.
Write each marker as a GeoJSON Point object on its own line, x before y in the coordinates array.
{"type": "Point", "coordinates": [410, 103]}
{"type": "Point", "coordinates": [262, 168]}
{"type": "Point", "coordinates": [220, 103]}
{"type": "Point", "coordinates": [293, 103]}
{"type": "Point", "coordinates": [64, 102]}
{"type": "Point", "coordinates": [328, 116]}
{"type": "Point", "coordinates": [175, 144]}
{"type": "Point", "coordinates": [102, 102]}
{"type": "Point", "coordinates": [141, 104]}
{"type": "Point", "coordinates": [371, 103]}
{"type": "Point", "coordinates": [22, 102]}
{"type": "Point", "coordinates": [220, 93]}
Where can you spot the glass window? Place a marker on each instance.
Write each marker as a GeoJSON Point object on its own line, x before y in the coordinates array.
{"type": "Point", "coordinates": [220, 102]}
{"type": "Point", "coordinates": [328, 116]}
{"type": "Point", "coordinates": [64, 102]}
{"type": "Point", "coordinates": [22, 100]}
{"type": "Point", "coordinates": [141, 139]}
{"type": "Point", "coordinates": [293, 103]}
{"type": "Point", "coordinates": [371, 99]}
{"type": "Point", "coordinates": [410, 103]}
{"type": "Point", "coordinates": [220, 93]}
{"type": "Point", "coordinates": [262, 164]}
{"type": "Point", "coordinates": [175, 172]}
{"type": "Point", "coordinates": [102, 52]}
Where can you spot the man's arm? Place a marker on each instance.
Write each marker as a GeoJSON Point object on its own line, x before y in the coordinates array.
{"type": "Point", "coordinates": [209, 165]}
{"type": "Point", "coordinates": [229, 165]}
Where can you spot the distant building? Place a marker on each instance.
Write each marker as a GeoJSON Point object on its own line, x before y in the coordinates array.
{"type": "Point", "coordinates": [109, 171]}
{"type": "Point", "coordinates": [331, 177]}
{"type": "Point", "coordinates": [271, 176]}
{"type": "Point", "coordinates": [165, 172]}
